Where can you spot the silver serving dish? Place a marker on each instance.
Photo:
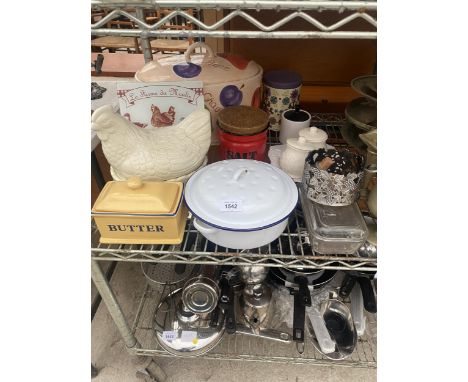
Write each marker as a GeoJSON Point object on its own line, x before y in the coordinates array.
{"type": "Point", "coordinates": [181, 332]}
{"type": "Point", "coordinates": [339, 322]}
{"type": "Point", "coordinates": [362, 113]}
{"type": "Point", "coordinates": [366, 86]}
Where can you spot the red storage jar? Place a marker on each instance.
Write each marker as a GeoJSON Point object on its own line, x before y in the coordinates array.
{"type": "Point", "coordinates": [242, 133]}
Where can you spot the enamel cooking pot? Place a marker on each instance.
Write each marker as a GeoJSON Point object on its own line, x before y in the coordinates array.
{"type": "Point", "coordinates": [241, 203]}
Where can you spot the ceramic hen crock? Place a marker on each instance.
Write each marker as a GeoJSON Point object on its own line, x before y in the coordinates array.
{"type": "Point", "coordinates": [136, 212]}
{"type": "Point", "coordinates": [228, 80]}
{"type": "Point", "coordinates": [241, 203]}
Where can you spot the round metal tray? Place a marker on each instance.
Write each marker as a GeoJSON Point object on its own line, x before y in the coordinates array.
{"type": "Point", "coordinates": [161, 274]}
{"type": "Point", "coordinates": [366, 86]}
{"type": "Point", "coordinates": [362, 113]}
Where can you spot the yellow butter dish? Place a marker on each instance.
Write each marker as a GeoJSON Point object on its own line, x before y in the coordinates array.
{"type": "Point", "coordinates": [136, 212]}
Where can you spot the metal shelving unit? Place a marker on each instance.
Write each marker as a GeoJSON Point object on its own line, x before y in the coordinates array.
{"type": "Point", "coordinates": [292, 250]}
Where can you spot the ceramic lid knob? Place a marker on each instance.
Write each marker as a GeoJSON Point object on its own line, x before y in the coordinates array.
{"type": "Point", "coordinates": [313, 134]}
{"type": "Point", "coordinates": [300, 143]}
{"type": "Point", "coordinates": [134, 183]}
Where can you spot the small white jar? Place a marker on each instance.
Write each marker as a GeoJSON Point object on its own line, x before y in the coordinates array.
{"type": "Point", "coordinates": [293, 158]}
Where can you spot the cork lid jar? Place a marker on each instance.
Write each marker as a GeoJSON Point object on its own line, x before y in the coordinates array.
{"type": "Point", "coordinates": [242, 120]}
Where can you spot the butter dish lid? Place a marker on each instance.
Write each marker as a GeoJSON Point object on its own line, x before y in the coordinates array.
{"type": "Point", "coordinates": [137, 197]}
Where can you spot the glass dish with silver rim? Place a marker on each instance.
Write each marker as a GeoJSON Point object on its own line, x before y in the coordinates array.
{"type": "Point", "coordinates": [334, 230]}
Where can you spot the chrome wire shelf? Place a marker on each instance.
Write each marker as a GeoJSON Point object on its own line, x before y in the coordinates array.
{"type": "Point", "coordinates": [307, 10]}
{"type": "Point", "coordinates": [290, 250]}
{"type": "Point", "coordinates": [246, 348]}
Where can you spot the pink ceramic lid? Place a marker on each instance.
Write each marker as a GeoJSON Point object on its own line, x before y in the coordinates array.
{"type": "Point", "coordinates": [209, 68]}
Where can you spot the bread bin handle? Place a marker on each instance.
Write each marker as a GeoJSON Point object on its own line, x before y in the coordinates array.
{"type": "Point", "coordinates": [203, 228]}
{"type": "Point", "coordinates": [192, 47]}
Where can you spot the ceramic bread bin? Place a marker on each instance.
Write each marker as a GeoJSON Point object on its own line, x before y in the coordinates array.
{"type": "Point", "coordinates": [136, 212]}
{"type": "Point", "coordinates": [228, 80]}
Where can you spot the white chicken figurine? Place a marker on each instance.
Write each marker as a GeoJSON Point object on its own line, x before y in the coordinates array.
{"type": "Point", "coordinates": [152, 154]}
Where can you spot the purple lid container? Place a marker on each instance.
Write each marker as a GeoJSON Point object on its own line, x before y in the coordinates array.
{"type": "Point", "coordinates": [282, 79]}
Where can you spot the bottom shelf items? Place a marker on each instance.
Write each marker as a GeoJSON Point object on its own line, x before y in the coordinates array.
{"type": "Point", "coordinates": [248, 348]}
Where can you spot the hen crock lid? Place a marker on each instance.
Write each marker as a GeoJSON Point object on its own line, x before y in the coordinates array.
{"type": "Point", "coordinates": [137, 197]}
{"type": "Point", "coordinates": [263, 194]}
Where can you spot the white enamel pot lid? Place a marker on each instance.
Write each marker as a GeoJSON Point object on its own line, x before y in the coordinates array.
{"type": "Point", "coordinates": [241, 195]}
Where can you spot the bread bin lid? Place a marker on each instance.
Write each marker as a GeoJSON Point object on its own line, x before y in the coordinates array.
{"type": "Point", "coordinates": [137, 197]}
{"type": "Point", "coordinates": [301, 144]}
{"type": "Point", "coordinates": [313, 134]}
{"type": "Point", "coordinates": [243, 120]}
{"type": "Point", "coordinates": [241, 195]}
{"type": "Point", "coordinates": [210, 68]}
{"type": "Point", "coordinates": [282, 79]}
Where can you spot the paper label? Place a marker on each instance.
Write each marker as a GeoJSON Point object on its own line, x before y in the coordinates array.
{"type": "Point", "coordinates": [188, 336]}
{"type": "Point", "coordinates": [231, 206]}
{"type": "Point", "coordinates": [169, 335]}
{"type": "Point", "coordinates": [159, 104]}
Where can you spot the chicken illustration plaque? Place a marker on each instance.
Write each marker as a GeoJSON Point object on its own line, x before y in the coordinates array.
{"type": "Point", "coordinates": [159, 104]}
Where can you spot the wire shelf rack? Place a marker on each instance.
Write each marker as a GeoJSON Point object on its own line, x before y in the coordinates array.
{"type": "Point", "coordinates": [290, 250]}
{"type": "Point", "coordinates": [306, 10]}
{"type": "Point", "coordinates": [247, 348]}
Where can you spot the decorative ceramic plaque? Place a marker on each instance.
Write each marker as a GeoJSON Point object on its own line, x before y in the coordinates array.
{"type": "Point", "coordinates": [159, 104]}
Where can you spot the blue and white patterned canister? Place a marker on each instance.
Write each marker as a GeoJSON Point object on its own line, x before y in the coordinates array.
{"type": "Point", "coordinates": [281, 90]}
